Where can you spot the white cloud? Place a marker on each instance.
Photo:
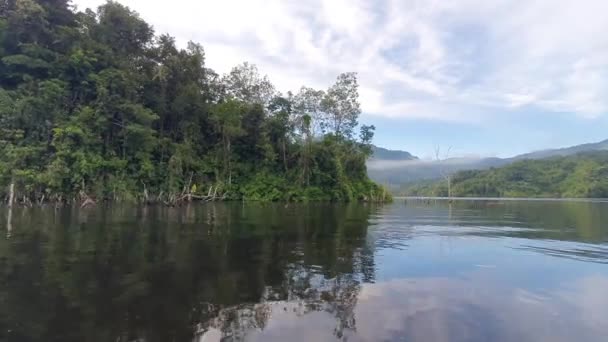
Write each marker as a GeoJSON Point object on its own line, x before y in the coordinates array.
{"type": "Point", "coordinates": [442, 60]}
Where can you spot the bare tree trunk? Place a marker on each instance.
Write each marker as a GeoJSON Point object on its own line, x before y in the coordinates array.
{"type": "Point", "coordinates": [446, 175]}
{"type": "Point", "coordinates": [449, 186]}
{"type": "Point", "coordinates": [229, 165]}
{"type": "Point", "coordinates": [9, 222]}
{"type": "Point", "coordinates": [9, 218]}
{"type": "Point", "coordinates": [11, 194]}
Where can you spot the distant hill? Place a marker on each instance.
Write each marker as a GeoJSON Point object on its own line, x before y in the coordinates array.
{"type": "Point", "coordinates": [583, 175]}
{"type": "Point", "coordinates": [379, 153]}
{"type": "Point", "coordinates": [568, 151]}
{"type": "Point", "coordinates": [396, 172]}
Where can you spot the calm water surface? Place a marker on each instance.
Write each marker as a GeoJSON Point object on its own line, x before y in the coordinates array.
{"type": "Point", "coordinates": [415, 271]}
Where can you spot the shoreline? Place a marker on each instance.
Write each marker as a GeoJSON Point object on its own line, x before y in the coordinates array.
{"type": "Point", "coordinates": [91, 204]}
{"type": "Point", "coordinates": [529, 199]}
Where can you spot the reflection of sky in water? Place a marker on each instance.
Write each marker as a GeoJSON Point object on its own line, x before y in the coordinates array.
{"type": "Point", "coordinates": [478, 271]}
{"type": "Point", "coordinates": [451, 309]}
{"type": "Point", "coordinates": [496, 258]}
{"type": "Point", "coordinates": [464, 275]}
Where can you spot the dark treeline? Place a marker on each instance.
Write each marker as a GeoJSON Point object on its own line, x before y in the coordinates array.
{"type": "Point", "coordinates": [583, 175]}
{"type": "Point", "coordinates": [95, 105]}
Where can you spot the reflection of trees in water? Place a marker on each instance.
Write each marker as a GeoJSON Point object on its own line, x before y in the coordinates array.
{"type": "Point", "coordinates": [323, 265]}
{"type": "Point", "coordinates": [162, 274]}
{"type": "Point", "coordinates": [556, 220]}
{"type": "Point", "coordinates": [577, 230]}
{"type": "Point", "coordinates": [560, 220]}
{"type": "Point", "coordinates": [307, 293]}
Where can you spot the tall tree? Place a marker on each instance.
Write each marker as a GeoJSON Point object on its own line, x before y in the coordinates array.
{"type": "Point", "coordinates": [280, 126]}
{"type": "Point", "coordinates": [227, 118]}
{"type": "Point", "coordinates": [341, 105]}
{"type": "Point", "coordinates": [366, 136]}
{"type": "Point", "coordinates": [309, 102]}
{"type": "Point", "coordinates": [245, 83]}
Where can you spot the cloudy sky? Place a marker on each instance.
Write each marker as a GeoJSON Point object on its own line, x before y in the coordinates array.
{"type": "Point", "coordinates": [491, 78]}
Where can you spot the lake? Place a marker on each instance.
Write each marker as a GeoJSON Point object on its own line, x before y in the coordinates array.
{"type": "Point", "coordinates": [408, 271]}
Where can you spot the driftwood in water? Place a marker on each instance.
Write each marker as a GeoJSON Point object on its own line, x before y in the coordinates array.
{"type": "Point", "coordinates": [188, 194]}
{"type": "Point", "coordinates": [88, 201]}
{"type": "Point", "coordinates": [214, 194]}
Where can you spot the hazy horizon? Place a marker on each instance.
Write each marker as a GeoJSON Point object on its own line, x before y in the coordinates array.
{"type": "Point", "coordinates": [430, 156]}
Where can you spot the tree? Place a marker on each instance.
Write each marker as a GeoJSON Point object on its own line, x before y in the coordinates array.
{"type": "Point", "coordinates": [244, 83]}
{"type": "Point", "coordinates": [341, 105]}
{"type": "Point", "coordinates": [227, 118]}
{"type": "Point", "coordinates": [122, 30]}
{"type": "Point", "coordinates": [306, 155]}
{"type": "Point", "coordinates": [444, 173]}
{"type": "Point", "coordinates": [308, 103]}
{"type": "Point", "coordinates": [280, 125]}
{"type": "Point", "coordinates": [253, 144]}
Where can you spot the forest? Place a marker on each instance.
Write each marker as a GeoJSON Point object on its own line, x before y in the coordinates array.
{"type": "Point", "coordinates": [583, 175]}
{"type": "Point", "coordinates": [95, 106]}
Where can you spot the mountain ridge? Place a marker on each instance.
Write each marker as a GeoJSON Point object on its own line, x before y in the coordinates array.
{"type": "Point", "coordinates": [396, 172]}
{"type": "Point", "coordinates": [381, 153]}
{"type": "Point", "coordinates": [563, 151]}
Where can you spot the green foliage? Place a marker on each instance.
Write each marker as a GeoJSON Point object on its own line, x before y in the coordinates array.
{"type": "Point", "coordinates": [94, 103]}
{"type": "Point", "coordinates": [580, 176]}
{"type": "Point", "coordinates": [265, 187]}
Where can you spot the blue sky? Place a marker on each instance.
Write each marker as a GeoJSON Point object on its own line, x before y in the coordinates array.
{"type": "Point", "coordinates": [488, 78]}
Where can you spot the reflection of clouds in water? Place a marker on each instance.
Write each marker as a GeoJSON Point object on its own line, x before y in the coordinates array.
{"type": "Point", "coordinates": [442, 309]}
{"type": "Point", "coordinates": [450, 309]}
{"type": "Point", "coordinates": [453, 310]}
{"type": "Point", "coordinates": [590, 294]}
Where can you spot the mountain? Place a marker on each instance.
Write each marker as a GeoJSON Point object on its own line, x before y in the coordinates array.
{"type": "Point", "coordinates": [395, 172]}
{"type": "Point", "coordinates": [379, 153]}
{"type": "Point", "coordinates": [568, 151]}
{"type": "Point", "coordinates": [580, 175]}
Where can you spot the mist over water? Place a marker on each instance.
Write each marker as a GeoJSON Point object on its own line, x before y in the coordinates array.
{"type": "Point", "coordinates": [412, 270]}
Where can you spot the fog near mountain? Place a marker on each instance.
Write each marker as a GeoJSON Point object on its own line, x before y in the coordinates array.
{"type": "Point", "coordinates": [396, 172]}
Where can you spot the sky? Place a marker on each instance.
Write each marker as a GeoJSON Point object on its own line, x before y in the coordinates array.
{"type": "Point", "coordinates": [486, 78]}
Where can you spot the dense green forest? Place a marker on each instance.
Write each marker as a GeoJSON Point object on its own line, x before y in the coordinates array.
{"type": "Point", "coordinates": [94, 105]}
{"type": "Point", "coordinates": [583, 175]}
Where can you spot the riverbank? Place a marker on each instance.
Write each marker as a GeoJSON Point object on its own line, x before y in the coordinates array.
{"type": "Point", "coordinates": [512, 199]}
{"type": "Point", "coordinates": [365, 191]}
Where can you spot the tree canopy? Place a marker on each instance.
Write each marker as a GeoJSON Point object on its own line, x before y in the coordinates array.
{"type": "Point", "coordinates": [95, 104]}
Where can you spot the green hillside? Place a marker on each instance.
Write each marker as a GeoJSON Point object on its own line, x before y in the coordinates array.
{"type": "Point", "coordinates": [578, 176]}
{"type": "Point", "coordinates": [379, 153]}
